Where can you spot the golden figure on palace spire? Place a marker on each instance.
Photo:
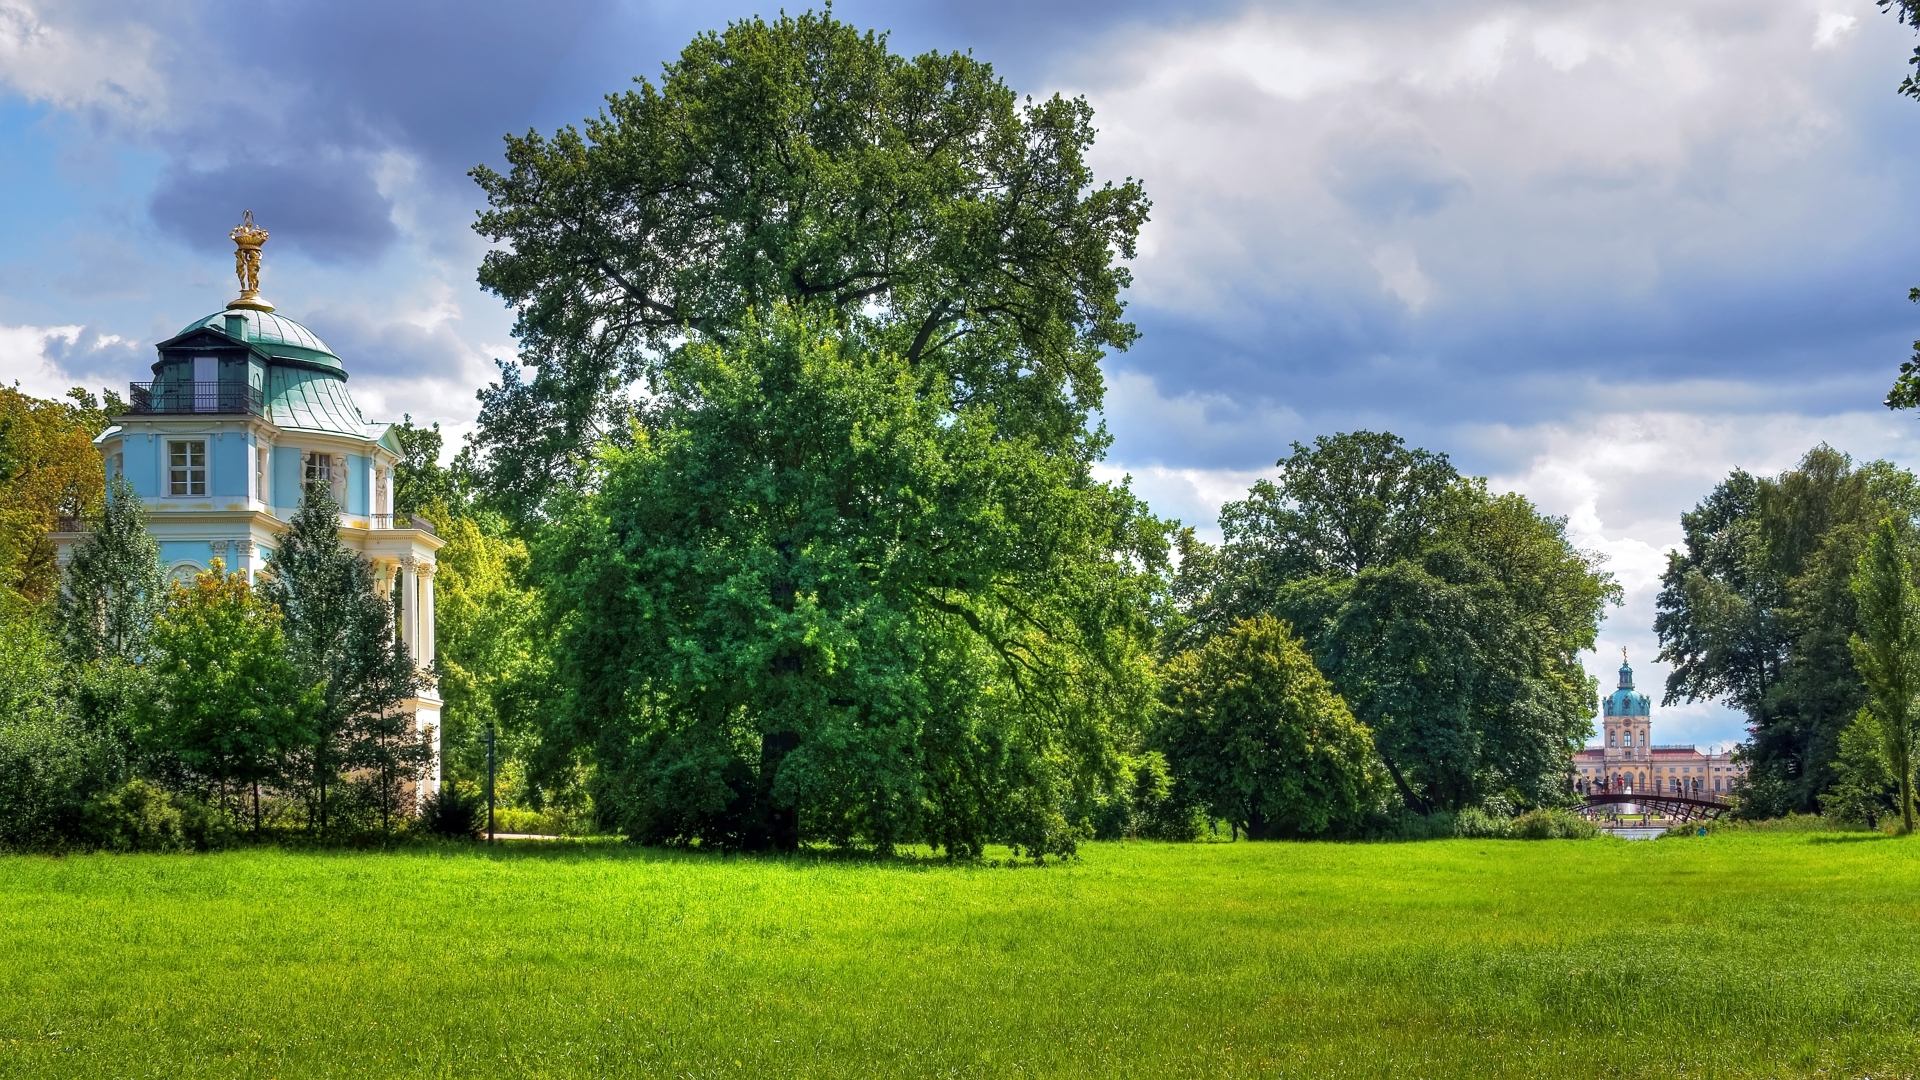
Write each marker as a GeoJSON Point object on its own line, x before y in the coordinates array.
{"type": "Point", "coordinates": [247, 238]}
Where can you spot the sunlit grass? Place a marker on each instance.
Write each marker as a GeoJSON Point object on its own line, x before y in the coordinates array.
{"type": "Point", "coordinates": [1730, 955]}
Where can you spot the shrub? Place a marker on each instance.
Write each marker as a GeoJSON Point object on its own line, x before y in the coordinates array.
{"type": "Point", "coordinates": [454, 812]}
{"type": "Point", "coordinates": [51, 761]}
{"type": "Point", "coordinates": [138, 816]}
{"type": "Point", "coordinates": [1476, 824]}
{"type": "Point", "coordinates": [1552, 824]}
{"type": "Point", "coordinates": [1258, 733]}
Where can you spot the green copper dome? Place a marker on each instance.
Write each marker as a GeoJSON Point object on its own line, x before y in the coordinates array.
{"type": "Point", "coordinates": [275, 335]}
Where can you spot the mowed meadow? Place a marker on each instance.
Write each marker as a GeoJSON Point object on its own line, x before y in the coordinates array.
{"type": "Point", "coordinates": [1728, 955]}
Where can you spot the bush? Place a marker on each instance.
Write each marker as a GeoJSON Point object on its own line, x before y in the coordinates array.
{"type": "Point", "coordinates": [1257, 732]}
{"type": "Point", "coordinates": [453, 812]}
{"type": "Point", "coordinates": [51, 761]}
{"type": "Point", "coordinates": [1476, 824]}
{"type": "Point", "coordinates": [138, 816]}
{"type": "Point", "coordinates": [1544, 824]}
{"type": "Point", "coordinates": [1552, 824]}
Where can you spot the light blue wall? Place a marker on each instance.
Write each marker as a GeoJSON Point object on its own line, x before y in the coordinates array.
{"type": "Point", "coordinates": [142, 463]}
{"type": "Point", "coordinates": [194, 551]}
{"type": "Point", "coordinates": [357, 486]}
{"type": "Point", "coordinates": [286, 480]}
{"type": "Point", "coordinates": [227, 464]}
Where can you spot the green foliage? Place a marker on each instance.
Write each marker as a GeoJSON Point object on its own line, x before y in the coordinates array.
{"type": "Point", "coordinates": [1863, 789]}
{"type": "Point", "coordinates": [228, 704]}
{"type": "Point", "coordinates": [1450, 620]}
{"type": "Point", "coordinates": [421, 485]}
{"type": "Point", "coordinates": [1887, 653]}
{"type": "Point", "coordinates": [916, 201]}
{"type": "Point", "coordinates": [1759, 608]}
{"type": "Point", "coordinates": [490, 645]}
{"type": "Point", "coordinates": [341, 637]}
{"type": "Point", "coordinates": [139, 816]}
{"type": "Point", "coordinates": [1262, 739]}
{"type": "Point", "coordinates": [454, 811]}
{"type": "Point", "coordinates": [1552, 823]}
{"type": "Point", "coordinates": [114, 586]}
{"type": "Point", "coordinates": [50, 761]}
{"type": "Point", "coordinates": [49, 470]}
{"type": "Point", "coordinates": [815, 599]}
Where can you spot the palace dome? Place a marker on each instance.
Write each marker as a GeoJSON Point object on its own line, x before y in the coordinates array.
{"type": "Point", "coordinates": [275, 335]}
{"type": "Point", "coordinates": [1623, 701]}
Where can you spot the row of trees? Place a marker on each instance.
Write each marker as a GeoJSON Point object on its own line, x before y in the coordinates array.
{"type": "Point", "coordinates": [1781, 584]}
{"type": "Point", "coordinates": [140, 711]}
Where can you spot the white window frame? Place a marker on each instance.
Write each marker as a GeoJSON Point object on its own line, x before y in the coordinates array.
{"type": "Point", "coordinates": [183, 475]}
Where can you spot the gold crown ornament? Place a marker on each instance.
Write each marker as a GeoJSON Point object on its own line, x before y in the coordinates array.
{"type": "Point", "coordinates": [247, 238]}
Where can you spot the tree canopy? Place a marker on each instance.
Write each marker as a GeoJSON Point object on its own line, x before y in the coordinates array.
{"type": "Point", "coordinates": [800, 161]}
{"type": "Point", "coordinates": [1758, 607]}
{"type": "Point", "coordinates": [814, 598]}
{"type": "Point", "coordinates": [1449, 619]}
{"type": "Point", "coordinates": [1261, 738]}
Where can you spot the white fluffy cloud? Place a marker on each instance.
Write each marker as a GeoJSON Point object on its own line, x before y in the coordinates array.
{"type": "Point", "coordinates": [69, 55]}
{"type": "Point", "coordinates": [1474, 154]}
{"type": "Point", "coordinates": [47, 361]}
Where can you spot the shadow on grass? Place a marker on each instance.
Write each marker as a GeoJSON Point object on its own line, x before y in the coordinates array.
{"type": "Point", "coordinates": [1849, 838]}
{"type": "Point", "coordinates": [614, 849]}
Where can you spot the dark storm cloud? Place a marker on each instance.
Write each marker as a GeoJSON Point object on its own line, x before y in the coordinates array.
{"type": "Point", "coordinates": [288, 109]}
{"type": "Point", "coordinates": [331, 210]}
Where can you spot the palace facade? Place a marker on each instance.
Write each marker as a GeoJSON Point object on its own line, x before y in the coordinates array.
{"type": "Point", "coordinates": [246, 407]}
{"type": "Point", "coordinates": [1628, 760]}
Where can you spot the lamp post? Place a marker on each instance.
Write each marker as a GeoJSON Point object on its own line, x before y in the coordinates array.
{"type": "Point", "coordinates": [489, 782]}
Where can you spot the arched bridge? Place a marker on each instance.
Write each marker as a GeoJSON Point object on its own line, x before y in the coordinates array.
{"type": "Point", "coordinates": [1672, 807]}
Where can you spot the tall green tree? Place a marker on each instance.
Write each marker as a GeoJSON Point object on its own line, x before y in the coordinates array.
{"type": "Point", "coordinates": [1887, 652]}
{"type": "Point", "coordinates": [1450, 620]}
{"type": "Point", "coordinates": [816, 598]}
{"type": "Point", "coordinates": [341, 635]}
{"type": "Point", "coordinates": [491, 642]}
{"type": "Point", "coordinates": [51, 760]}
{"type": "Point", "coordinates": [917, 200]}
{"type": "Point", "coordinates": [227, 704]}
{"type": "Point", "coordinates": [114, 585]}
{"type": "Point", "coordinates": [1259, 736]}
{"type": "Point", "coordinates": [1757, 609]}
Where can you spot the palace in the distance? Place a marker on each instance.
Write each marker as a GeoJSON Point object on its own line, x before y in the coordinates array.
{"type": "Point", "coordinates": [1628, 761]}
{"type": "Point", "coordinates": [246, 407]}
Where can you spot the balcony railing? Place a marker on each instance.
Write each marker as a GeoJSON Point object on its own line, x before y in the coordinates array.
{"type": "Point", "coordinates": [402, 521]}
{"type": "Point", "coordinates": [196, 397]}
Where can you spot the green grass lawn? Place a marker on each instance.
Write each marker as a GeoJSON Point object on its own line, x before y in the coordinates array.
{"type": "Point", "coordinates": [1730, 955]}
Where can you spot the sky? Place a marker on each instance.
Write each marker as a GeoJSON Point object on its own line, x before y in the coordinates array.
{"type": "Point", "coordinates": [1600, 253]}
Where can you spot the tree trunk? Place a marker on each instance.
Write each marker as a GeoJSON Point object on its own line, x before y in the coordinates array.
{"type": "Point", "coordinates": [780, 823]}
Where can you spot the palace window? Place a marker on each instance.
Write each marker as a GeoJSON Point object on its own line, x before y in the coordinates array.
{"type": "Point", "coordinates": [187, 467]}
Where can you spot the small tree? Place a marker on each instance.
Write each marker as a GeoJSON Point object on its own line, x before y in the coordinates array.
{"type": "Point", "coordinates": [1888, 653]}
{"type": "Point", "coordinates": [1262, 738]}
{"type": "Point", "coordinates": [114, 586]}
{"type": "Point", "coordinates": [228, 703]}
{"type": "Point", "coordinates": [341, 636]}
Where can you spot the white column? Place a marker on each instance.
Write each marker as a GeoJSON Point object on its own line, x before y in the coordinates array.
{"type": "Point", "coordinates": [243, 557]}
{"type": "Point", "coordinates": [427, 637]}
{"type": "Point", "coordinates": [409, 608]}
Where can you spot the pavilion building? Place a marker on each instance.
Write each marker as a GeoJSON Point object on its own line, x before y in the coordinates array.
{"type": "Point", "coordinates": [1628, 761]}
{"type": "Point", "coordinates": [245, 408]}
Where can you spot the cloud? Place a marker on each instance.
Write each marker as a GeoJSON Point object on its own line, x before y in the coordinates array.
{"type": "Point", "coordinates": [82, 56]}
{"type": "Point", "coordinates": [47, 361]}
{"type": "Point", "coordinates": [1421, 207]}
{"type": "Point", "coordinates": [332, 210]}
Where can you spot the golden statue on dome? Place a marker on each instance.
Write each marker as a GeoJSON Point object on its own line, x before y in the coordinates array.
{"type": "Point", "coordinates": [247, 238]}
